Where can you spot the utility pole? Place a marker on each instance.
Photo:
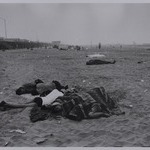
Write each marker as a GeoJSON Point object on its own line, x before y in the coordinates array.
{"type": "Point", "coordinates": [37, 37]}
{"type": "Point", "coordinates": [99, 46]}
{"type": "Point", "coordinates": [4, 26]}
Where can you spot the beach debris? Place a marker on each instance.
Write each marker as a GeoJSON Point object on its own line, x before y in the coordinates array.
{"type": "Point", "coordinates": [130, 106]}
{"type": "Point", "coordinates": [6, 143]}
{"type": "Point", "coordinates": [40, 140]}
{"type": "Point", "coordinates": [83, 81]}
{"type": "Point", "coordinates": [139, 62]}
{"type": "Point", "coordinates": [126, 105]}
{"type": "Point", "coordinates": [18, 131]}
{"type": "Point", "coordinates": [146, 90]}
{"type": "Point", "coordinates": [5, 88]}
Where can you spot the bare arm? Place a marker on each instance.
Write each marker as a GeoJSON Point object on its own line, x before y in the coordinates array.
{"type": "Point", "coordinates": [94, 115]}
{"type": "Point", "coordinates": [9, 105]}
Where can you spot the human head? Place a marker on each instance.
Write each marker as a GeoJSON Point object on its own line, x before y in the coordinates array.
{"type": "Point", "coordinates": [20, 91]}
{"type": "Point", "coordinates": [59, 87]}
{"type": "Point", "coordinates": [38, 81]}
{"type": "Point", "coordinates": [38, 101]}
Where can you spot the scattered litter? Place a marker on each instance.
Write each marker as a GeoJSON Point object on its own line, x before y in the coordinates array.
{"type": "Point", "coordinates": [5, 88]}
{"type": "Point", "coordinates": [139, 62]}
{"type": "Point", "coordinates": [18, 131]}
{"type": "Point", "coordinates": [126, 105]}
{"type": "Point", "coordinates": [6, 143]}
{"type": "Point", "coordinates": [146, 90]}
{"type": "Point", "coordinates": [130, 106]}
{"type": "Point", "coordinates": [40, 140]}
{"type": "Point", "coordinates": [83, 81]}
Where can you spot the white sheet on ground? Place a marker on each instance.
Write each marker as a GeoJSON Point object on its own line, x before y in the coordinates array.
{"type": "Point", "coordinates": [51, 97]}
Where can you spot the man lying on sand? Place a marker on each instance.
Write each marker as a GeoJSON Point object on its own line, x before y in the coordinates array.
{"type": "Point", "coordinates": [38, 87]}
{"type": "Point", "coordinates": [91, 104]}
{"type": "Point", "coordinates": [29, 88]}
{"type": "Point", "coordinates": [99, 62]}
{"type": "Point", "coordinates": [39, 101]}
{"type": "Point", "coordinates": [74, 104]}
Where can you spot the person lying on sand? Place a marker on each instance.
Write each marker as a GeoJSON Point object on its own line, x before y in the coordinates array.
{"type": "Point", "coordinates": [39, 101]}
{"type": "Point", "coordinates": [29, 88]}
{"type": "Point", "coordinates": [75, 105]}
{"type": "Point", "coordinates": [80, 111]}
{"type": "Point", "coordinates": [38, 87]}
{"type": "Point", "coordinates": [94, 104]}
{"type": "Point", "coordinates": [45, 88]}
{"type": "Point", "coordinates": [99, 62]}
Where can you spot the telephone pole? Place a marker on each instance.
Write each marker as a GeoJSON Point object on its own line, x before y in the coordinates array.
{"type": "Point", "coordinates": [4, 26]}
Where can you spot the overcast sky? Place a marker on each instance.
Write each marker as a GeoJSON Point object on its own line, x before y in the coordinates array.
{"type": "Point", "coordinates": [77, 23]}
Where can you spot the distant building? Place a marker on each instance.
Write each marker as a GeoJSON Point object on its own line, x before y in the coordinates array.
{"type": "Point", "coordinates": [63, 47]}
{"type": "Point", "coordinates": [13, 40]}
{"type": "Point", "coordinates": [55, 44]}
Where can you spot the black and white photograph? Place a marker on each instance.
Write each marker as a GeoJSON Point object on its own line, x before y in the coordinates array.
{"type": "Point", "coordinates": [74, 74]}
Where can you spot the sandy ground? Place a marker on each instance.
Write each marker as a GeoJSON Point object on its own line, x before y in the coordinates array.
{"type": "Point", "coordinates": [126, 80]}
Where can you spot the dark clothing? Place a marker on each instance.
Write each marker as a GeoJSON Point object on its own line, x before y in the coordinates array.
{"type": "Point", "coordinates": [99, 62]}
{"type": "Point", "coordinates": [77, 107]}
{"type": "Point", "coordinates": [91, 104]}
{"type": "Point", "coordinates": [38, 87]}
{"type": "Point", "coordinates": [29, 88]}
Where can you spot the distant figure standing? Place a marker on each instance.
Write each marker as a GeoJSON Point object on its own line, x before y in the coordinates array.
{"type": "Point", "coordinates": [99, 46]}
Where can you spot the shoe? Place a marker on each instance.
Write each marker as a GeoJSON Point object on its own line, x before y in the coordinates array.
{"type": "Point", "coordinates": [2, 103]}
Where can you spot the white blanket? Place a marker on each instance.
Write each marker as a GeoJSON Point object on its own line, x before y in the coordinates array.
{"type": "Point", "coordinates": [47, 100]}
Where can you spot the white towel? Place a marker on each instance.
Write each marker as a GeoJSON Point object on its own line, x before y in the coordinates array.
{"type": "Point", "coordinates": [47, 100]}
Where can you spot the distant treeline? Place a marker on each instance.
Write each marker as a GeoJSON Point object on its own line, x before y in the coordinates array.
{"type": "Point", "coordinates": [20, 44]}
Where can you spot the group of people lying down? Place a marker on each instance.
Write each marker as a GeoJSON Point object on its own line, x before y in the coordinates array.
{"type": "Point", "coordinates": [74, 103]}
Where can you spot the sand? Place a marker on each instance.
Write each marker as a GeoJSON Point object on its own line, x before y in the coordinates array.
{"type": "Point", "coordinates": [126, 80]}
